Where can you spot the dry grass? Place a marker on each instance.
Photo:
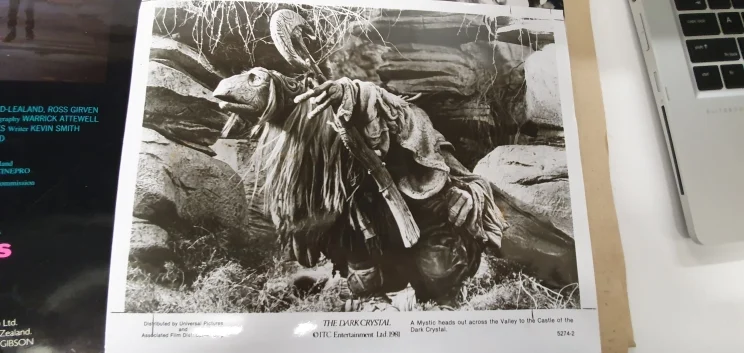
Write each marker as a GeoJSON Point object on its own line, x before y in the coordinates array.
{"type": "Point", "coordinates": [212, 276]}
{"type": "Point", "coordinates": [216, 18]}
{"type": "Point", "coordinates": [506, 286]}
{"type": "Point", "coordinates": [226, 289]}
{"type": "Point", "coordinates": [232, 288]}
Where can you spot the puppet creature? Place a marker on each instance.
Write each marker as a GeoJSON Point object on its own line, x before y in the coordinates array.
{"type": "Point", "coordinates": [324, 203]}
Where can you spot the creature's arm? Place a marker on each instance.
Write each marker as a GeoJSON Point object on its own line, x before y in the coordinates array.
{"type": "Point", "coordinates": [374, 110]}
{"type": "Point", "coordinates": [383, 117]}
{"type": "Point", "coordinates": [485, 221]}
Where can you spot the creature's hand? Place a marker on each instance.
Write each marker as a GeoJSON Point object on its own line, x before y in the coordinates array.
{"type": "Point", "coordinates": [460, 204]}
{"type": "Point", "coordinates": [328, 94]}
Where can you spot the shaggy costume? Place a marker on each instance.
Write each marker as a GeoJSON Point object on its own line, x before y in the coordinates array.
{"type": "Point", "coordinates": [420, 161]}
{"type": "Point", "coordinates": [323, 203]}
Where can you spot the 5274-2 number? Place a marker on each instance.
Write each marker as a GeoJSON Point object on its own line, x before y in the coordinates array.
{"type": "Point", "coordinates": [565, 333]}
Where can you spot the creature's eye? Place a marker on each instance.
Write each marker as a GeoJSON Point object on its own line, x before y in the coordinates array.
{"type": "Point", "coordinates": [251, 78]}
{"type": "Point", "coordinates": [255, 78]}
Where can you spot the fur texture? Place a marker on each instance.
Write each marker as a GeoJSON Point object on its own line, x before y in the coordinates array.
{"type": "Point", "coordinates": [308, 175]}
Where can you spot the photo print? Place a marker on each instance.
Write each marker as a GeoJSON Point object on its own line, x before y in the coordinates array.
{"type": "Point", "coordinates": [307, 158]}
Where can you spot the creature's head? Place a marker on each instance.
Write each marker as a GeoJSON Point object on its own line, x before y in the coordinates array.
{"type": "Point", "coordinates": [307, 172]}
{"type": "Point", "coordinates": [258, 95]}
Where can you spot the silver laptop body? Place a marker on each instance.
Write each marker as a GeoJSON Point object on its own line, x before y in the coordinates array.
{"type": "Point", "coordinates": [693, 51]}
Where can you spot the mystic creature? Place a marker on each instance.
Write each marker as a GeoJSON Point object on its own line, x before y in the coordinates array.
{"type": "Point", "coordinates": [324, 203]}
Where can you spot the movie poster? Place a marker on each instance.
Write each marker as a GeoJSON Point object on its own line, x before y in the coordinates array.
{"type": "Point", "coordinates": [55, 40]}
{"type": "Point", "coordinates": [65, 71]}
{"type": "Point", "coordinates": [311, 175]}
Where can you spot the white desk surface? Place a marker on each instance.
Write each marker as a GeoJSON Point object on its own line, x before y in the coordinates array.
{"type": "Point", "coordinates": [683, 297]}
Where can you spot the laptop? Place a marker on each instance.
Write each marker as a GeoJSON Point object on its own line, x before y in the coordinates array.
{"type": "Point", "coordinates": [694, 54]}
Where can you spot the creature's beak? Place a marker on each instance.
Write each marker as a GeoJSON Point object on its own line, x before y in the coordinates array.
{"type": "Point", "coordinates": [222, 92]}
{"type": "Point", "coordinates": [227, 101]}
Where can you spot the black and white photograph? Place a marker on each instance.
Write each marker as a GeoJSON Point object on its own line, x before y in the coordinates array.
{"type": "Point", "coordinates": [308, 158]}
{"type": "Point", "coordinates": [54, 40]}
{"type": "Point", "coordinates": [545, 4]}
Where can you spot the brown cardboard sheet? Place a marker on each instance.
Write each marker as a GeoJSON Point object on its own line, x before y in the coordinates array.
{"type": "Point", "coordinates": [609, 263]}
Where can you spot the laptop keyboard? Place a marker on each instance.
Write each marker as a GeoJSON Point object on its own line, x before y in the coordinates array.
{"type": "Point", "coordinates": [714, 33]}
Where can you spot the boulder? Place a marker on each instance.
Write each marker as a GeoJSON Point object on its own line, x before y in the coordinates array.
{"type": "Point", "coordinates": [531, 187]}
{"type": "Point", "coordinates": [187, 193]}
{"type": "Point", "coordinates": [548, 137]}
{"type": "Point", "coordinates": [543, 91]}
{"type": "Point", "coordinates": [532, 33]}
{"type": "Point", "coordinates": [467, 123]}
{"type": "Point", "coordinates": [359, 59]}
{"type": "Point", "coordinates": [237, 154]}
{"type": "Point", "coordinates": [460, 110]}
{"type": "Point", "coordinates": [421, 68]}
{"type": "Point", "coordinates": [499, 56]}
{"type": "Point", "coordinates": [182, 109]}
{"type": "Point", "coordinates": [185, 59]}
{"type": "Point", "coordinates": [155, 192]}
{"type": "Point", "coordinates": [547, 253]}
{"type": "Point", "coordinates": [535, 178]}
{"type": "Point", "coordinates": [501, 76]}
{"type": "Point", "coordinates": [149, 244]}
{"type": "Point", "coordinates": [200, 189]}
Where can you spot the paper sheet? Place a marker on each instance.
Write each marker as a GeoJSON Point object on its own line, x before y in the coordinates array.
{"type": "Point", "coordinates": [496, 191]}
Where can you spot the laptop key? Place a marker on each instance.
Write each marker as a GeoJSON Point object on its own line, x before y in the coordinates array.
{"type": "Point", "coordinates": [719, 4]}
{"type": "Point", "coordinates": [738, 4]}
{"type": "Point", "coordinates": [708, 78]}
{"type": "Point", "coordinates": [733, 75]}
{"type": "Point", "coordinates": [731, 22]}
{"type": "Point", "coordinates": [686, 5]}
{"type": "Point", "coordinates": [699, 24]}
{"type": "Point", "coordinates": [709, 50]}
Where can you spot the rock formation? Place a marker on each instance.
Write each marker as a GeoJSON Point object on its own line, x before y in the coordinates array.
{"type": "Point", "coordinates": [532, 33]}
{"type": "Point", "coordinates": [543, 97]}
{"type": "Point", "coordinates": [471, 70]}
{"type": "Point", "coordinates": [179, 56]}
{"type": "Point", "coordinates": [533, 184]}
{"type": "Point", "coordinates": [183, 194]}
{"type": "Point", "coordinates": [422, 68]}
{"type": "Point", "coordinates": [237, 154]}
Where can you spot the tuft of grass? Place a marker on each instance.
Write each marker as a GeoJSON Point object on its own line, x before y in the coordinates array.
{"type": "Point", "coordinates": [506, 286]}
{"type": "Point", "coordinates": [232, 288]}
{"type": "Point", "coordinates": [229, 288]}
